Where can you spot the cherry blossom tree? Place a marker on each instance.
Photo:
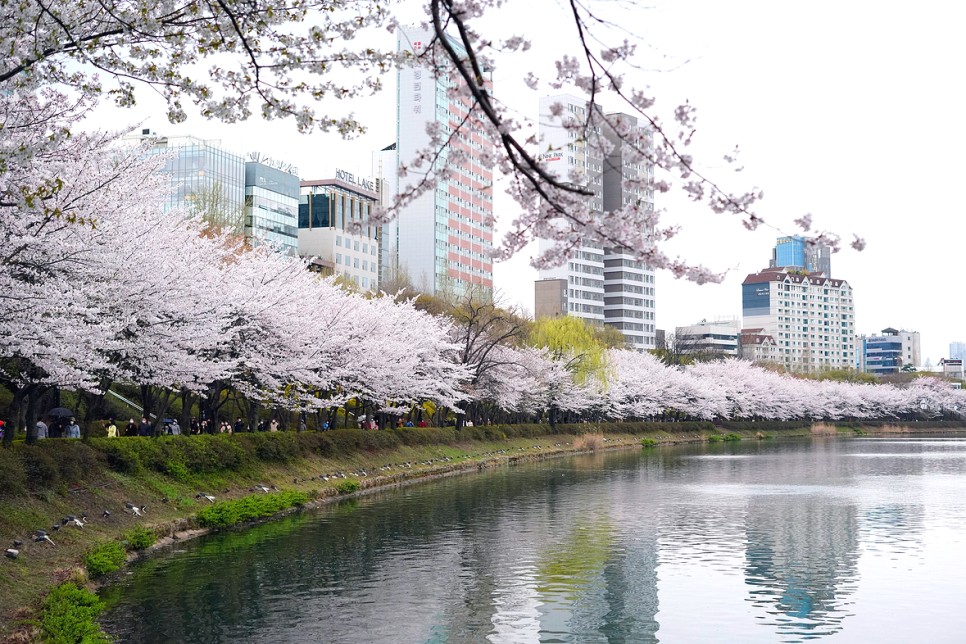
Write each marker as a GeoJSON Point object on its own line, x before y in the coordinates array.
{"type": "Point", "coordinates": [287, 58]}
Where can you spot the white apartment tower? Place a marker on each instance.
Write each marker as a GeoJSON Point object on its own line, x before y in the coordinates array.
{"type": "Point", "coordinates": [810, 317]}
{"type": "Point", "coordinates": [442, 239]}
{"type": "Point", "coordinates": [603, 285]}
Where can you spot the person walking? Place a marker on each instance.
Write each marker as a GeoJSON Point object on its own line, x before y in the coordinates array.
{"type": "Point", "coordinates": [73, 430]}
{"type": "Point", "coordinates": [131, 429]}
{"type": "Point", "coordinates": [111, 429]}
{"type": "Point", "coordinates": [175, 428]}
{"type": "Point", "coordinates": [41, 430]}
{"type": "Point", "coordinates": [273, 426]}
{"type": "Point", "coordinates": [144, 427]}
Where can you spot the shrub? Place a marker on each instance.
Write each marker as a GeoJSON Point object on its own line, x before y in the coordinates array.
{"type": "Point", "coordinates": [13, 478]}
{"type": "Point", "coordinates": [592, 441]}
{"type": "Point", "coordinates": [69, 615]}
{"type": "Point", "coordinates": [347, 486]}
{"type": "Point", "coordinates": [105, 558]}
{"type": "Point", "coordinates": [139, 538]}
{"type": "Point", "coordinates": [731, 438]}
{"type": "Point", "coordinates": [714, 438]}
{"type": "Point", "coordinates": [648, 442]}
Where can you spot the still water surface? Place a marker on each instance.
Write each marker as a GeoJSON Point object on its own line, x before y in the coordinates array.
{"type": "Point", "coordinates": [771, 541]}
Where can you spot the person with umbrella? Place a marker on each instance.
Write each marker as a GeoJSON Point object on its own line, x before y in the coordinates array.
{"type": "Point", "coordinates": [58, 417]}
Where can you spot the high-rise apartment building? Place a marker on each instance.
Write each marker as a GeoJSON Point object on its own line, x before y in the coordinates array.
{"type": "Point", "coordinates": [810, 317]}
{"type": "Point", "coordinates": [443, 238]}
{"type": "Point", "coordinates": [796, 253]}
{"type": "Point", "coordinates": [604, 285]}
{"type": "Point", "coordinates": [888, 352]}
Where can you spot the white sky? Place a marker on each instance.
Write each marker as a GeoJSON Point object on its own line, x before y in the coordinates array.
{"type": "Point", "coordinates": [852, 111]}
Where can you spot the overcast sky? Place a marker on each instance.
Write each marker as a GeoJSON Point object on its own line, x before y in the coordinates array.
{"type": "Point", "coordinates": [852, 111]}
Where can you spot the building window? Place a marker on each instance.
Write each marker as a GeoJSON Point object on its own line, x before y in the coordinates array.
{"type": "Point", "coordinates": [338, 240]}
{"type": "Point", "coordinates": [338, 258]}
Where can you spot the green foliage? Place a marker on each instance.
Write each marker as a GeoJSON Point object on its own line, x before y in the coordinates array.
{"type": "Point", "coordinates": [105, 558]}
{"type": "Point", "coordinates": [648, 442]}
{"type": "Point", "coordinates": [49, 464]}
{"type": "Point", "coordinates": [347, 487]}
{"type": "Point", "coordinates": [714, 438]}
{"type": "Point", "coordinates": [139, 538]}
{"type": "Point", "coordinates": [69, 615]}
{"type": "Point", "coordinates": [572, 338]}
{"type": "Point", "coordinates": [731, 438]}
{"type": "Point", "coordinates": [13, 477]}
{"type": "Point", "coordinates": [228, 513]}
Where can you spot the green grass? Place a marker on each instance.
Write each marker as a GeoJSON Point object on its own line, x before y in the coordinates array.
{"type": "Point", "coordinates": [228, 513]}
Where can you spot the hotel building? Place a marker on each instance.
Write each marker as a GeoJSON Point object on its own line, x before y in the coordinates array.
{"type": "Point", "coordinates": [811, 318]}
{"type": "Point", "coordinates": [327, 208]}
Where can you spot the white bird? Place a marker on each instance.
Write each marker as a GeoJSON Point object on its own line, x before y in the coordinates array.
{"type": "Point", "coordinates": [70, 519]}
{"type": "Point", "coordinates": [263, 488]}
{"type": "Point", "coordinates": [42, 536]}
{"type": "Point", "coordinates": [11, 553]}
{"type": "Point", "coordinates": [208, 497]}
{"type": "Point", "coordinates": [138, 511]}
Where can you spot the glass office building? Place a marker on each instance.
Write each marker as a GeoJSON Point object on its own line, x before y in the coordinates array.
{"type": "Point", "coordinates": [271, 207]}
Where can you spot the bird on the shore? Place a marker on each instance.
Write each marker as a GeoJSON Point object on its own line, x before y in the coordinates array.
{"type": "Point", "coordinates": [41, 535]}
{"type": "Point", "coordinates": [208, 497]}
{"type": "Point", "coordinates": [164, 500]}
{"type": "Point", "coordinates": [55, 527]}
{"type": "Point", "coordinates": [107, 514]}
{"type": "Point", "coordinates": [136, 510]}
{"type": "Point", "coordinates": [70, 519]}
{"type": "Point", "coordinates": [260, 487]}
{"type": "Point", "coordinates": [12, 553]}
{"type": "Point", "coordinates": [17, 543]}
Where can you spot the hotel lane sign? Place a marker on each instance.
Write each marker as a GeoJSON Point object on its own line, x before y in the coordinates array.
{"type": "Point", "coordinates": [348, 177]}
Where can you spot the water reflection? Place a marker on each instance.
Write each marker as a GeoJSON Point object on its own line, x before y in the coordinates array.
{"type": "Point", "coordinates": [763, 541]}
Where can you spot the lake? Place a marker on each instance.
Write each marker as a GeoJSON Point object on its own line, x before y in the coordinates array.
{"type": "Point", "coordinates": [831, 539]}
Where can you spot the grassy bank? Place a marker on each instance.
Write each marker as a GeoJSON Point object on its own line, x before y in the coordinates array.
{"type": "Point", "coordinates": [191, 483]}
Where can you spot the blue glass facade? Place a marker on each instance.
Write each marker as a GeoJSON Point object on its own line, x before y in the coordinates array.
{"type": "Point", "coordinates": [271, 206]}
{"type": "Point", "coordinates": [790, 252]}
{"type": "Point", "coordinates": [204, 179]}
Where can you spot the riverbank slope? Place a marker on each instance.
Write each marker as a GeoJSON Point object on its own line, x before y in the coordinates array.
{"type": "Point", "coordinates": [171, 478]}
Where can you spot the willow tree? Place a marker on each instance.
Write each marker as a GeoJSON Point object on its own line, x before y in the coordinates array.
{"type": "Point", "coordinates": [579, 348]}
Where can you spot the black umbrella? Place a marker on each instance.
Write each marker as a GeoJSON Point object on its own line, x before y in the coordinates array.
{"type": "Point", "coordinates": [60, 412]}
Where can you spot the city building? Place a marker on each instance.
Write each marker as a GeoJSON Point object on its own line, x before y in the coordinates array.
{"type": "Point", "coordinates": [327, 209]}
{"type": "Point", "coordinates": [205, 178]}
{"type": "Point", "coordinates": [757, 346]}
{"type": "Point", "coordinates": [271, 206]}
{"type": "Point", "coordinates": [257, 198]}
{"type": "Point", "coordinates": [550, 298]}
{"type": "Point", "coordinates": [717, 338]}
{"type": "Point", "coordinates": [952, 368]}
{"type": "Point", "coordinates": [796, 253]}
{"type": "Point", "coordinates": [811, 318]}
{"type": "Point", "coordinates": [891, 351]}
{"type": "Point", "coordinates": [604, 285]}
{"type": "Point", "coordinates": [441, 239]}
{"type": "Point", "coordinates": [957, 350]}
